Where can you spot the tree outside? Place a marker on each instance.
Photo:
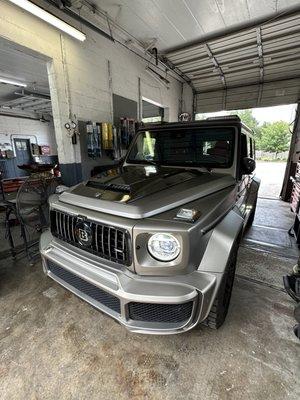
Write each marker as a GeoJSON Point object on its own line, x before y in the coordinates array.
{"type": "Point", "coordinates": [247, 118]}
{"type": "Point", "coordinates": [273, 137]}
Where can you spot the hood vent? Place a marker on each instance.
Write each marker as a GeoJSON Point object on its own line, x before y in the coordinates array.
{"type": "Point", "coordinates": [113, 187]}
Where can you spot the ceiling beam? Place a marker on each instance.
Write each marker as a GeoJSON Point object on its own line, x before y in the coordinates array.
{"type": "Point", "coordinates": [26, 96]}
{"type": "Point", "coordinates": [34, 103]}
{"type": "Point", "coordinates": [35, 95]}
{"type": "Point", "coordinates": [45, 108]}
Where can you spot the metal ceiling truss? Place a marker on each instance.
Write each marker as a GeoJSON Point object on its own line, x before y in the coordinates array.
{"type": "Point", "coordinates": [29, 102]}
{"type": "Point", "coordinates": [248, 68]}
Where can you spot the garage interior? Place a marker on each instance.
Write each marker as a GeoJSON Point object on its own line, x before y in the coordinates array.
{"type": "Point", "coordinates": [152, 62]}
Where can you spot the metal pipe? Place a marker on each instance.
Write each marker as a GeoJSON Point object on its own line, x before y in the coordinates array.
{"type": "Point", "coordinates": [87, 23]}
{"type": "Point", "coordinates": [19, 116]}
{"type": "Point", "coordinates": [96, 29]}
{"type": "Point", "coordinates": [66, 10]}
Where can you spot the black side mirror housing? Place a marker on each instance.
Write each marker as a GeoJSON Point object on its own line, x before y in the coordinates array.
{"type": "Point", "coordinates": [248, 165]}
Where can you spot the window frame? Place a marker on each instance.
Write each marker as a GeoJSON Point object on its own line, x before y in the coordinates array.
{"type": "Point", "coordinates": [228, 165]}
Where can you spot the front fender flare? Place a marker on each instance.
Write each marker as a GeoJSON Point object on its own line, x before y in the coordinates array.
{"type": "Point", "coordinates": [221, 242]}
{"type": "Point", "coordinates": [218, 252]}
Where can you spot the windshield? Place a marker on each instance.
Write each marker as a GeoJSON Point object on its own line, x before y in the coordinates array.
{"type": "Point", "coordinates": [209, 147]}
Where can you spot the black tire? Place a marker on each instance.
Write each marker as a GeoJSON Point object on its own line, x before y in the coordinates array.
{"type": "Point", "coordinates": [219, 309]}
{"type": "Point", "coordinates": [252, 215]}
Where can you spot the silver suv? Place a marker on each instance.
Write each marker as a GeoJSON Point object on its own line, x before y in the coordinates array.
{"type": "Point", "coordinates": [154, 242]}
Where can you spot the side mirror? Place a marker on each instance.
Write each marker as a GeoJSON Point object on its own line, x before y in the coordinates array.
{"type": "Point", "coordinates": [248, 165]}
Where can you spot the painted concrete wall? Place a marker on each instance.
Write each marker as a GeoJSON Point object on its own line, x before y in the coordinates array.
{"type": "Point", "coordinates": [78, 74]}
{"type": "Point", "coordinates": [41, 133]}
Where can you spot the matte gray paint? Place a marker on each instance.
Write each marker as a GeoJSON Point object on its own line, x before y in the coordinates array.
{"type": "Point", "coordinates": [150, 205]}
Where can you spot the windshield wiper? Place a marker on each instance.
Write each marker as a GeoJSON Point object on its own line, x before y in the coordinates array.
{"type": "Point", "coordinates": [187, 167]}
{"type": "Point", "coordinates": [151, 162]}
{"type": "Point", "coordinates": [208, 169]}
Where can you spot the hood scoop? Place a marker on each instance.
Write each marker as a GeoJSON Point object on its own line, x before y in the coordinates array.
{"type": "Point", "coordinates": [113, 187]}
{"type": "Point", "coordinates": [131, 193]}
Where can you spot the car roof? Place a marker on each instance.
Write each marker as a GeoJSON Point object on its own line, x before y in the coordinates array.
{"type": "Point", "coordinates": [229, 120]}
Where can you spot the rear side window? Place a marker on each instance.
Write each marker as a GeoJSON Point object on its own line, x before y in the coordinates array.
{"type": "Point", "coordinates": [253, 148]}
{"type": "Point", "coordinates": [249, 147]}
{"type": "Point", "coordinates": [244, 146]}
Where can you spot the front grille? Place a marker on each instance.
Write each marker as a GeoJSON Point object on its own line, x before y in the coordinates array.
{"type": "Point", "coordinates": [85, 287]}
{"type": "Point", "coordinates": [108, 242]}
{"type": "Point", "coordinates": [149, 312]}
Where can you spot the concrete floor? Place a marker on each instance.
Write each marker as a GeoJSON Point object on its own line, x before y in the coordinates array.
{"type": "Point", "coordinates": [55, 346]}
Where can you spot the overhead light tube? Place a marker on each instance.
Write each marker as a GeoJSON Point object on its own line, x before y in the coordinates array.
{"type": "Point", "coordinates": [50, 18]}
{"type": "Point", "coordinates": [11, 82]}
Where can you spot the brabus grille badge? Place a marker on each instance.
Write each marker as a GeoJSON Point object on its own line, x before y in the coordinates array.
{"type": "Point", "coordinates": [111, 243]}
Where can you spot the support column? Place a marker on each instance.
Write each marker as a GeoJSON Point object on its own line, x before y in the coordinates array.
{"type": "Point", "coordinates": [293, 158]}
{"type": "Point", "coordinates": [68, 153]}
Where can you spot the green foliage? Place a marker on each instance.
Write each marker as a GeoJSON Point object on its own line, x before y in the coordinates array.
{"type": "Point", "coordinates": [275, 137]}
{"type": "Point", "coordinates": [248, 119]}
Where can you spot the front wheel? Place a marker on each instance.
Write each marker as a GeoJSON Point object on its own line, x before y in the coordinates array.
{"type": "Point", "coordinates": [219, 309]}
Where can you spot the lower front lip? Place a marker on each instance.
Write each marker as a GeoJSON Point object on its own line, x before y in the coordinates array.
{"type": "Point", "coordinates": [128, 287]}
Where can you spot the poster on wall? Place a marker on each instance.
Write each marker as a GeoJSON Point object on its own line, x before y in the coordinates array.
{"type": "Point", "coordinates": [6, 150]}
{"type": "Point", "coordinates": [45, 150]}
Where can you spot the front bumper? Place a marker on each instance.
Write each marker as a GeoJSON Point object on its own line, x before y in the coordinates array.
{"type": "Point", "coordinates": [157, 305]}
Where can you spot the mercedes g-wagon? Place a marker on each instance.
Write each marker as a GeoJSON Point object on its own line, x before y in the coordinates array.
{"type": "Point", "coordinates": [154, 242]}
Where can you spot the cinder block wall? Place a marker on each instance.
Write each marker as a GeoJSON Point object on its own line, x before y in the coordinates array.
{"type": "Point", "coordinates": [78, 76]}
{"type": "Point", "coordinates": [41, 133]}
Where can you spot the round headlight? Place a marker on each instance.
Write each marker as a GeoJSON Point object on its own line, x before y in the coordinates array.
{"type": "Point", "coordinates": [164, 246]}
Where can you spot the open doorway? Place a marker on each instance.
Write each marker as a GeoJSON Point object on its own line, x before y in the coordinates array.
{"type": "Point", "coordinates": [26, 125]}
{"type": "Point", "coordinates": [272, 128]}
{"type": "Point", "coordinates": [28, 147]}
{"type": "Point", "coordinates": [153, 112]}
{"type": "Point", "coordinates": [269, 233]}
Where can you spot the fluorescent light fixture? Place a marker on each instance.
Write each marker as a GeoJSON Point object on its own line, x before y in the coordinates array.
{"type": "Point", "coordinates": [50, 18]}
{"type": "Point", "coordinates": [10, 82]}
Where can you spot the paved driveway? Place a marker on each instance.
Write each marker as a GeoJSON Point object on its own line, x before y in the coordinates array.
{"type": "Point", "coordinates": [271, 175]}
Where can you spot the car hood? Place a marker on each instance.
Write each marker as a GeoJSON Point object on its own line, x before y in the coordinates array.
{"type": "Point", "coordinates": [144, 191]}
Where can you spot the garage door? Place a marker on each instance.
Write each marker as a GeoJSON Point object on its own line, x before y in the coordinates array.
{"type": "Point", "coordinates": [255, 67]}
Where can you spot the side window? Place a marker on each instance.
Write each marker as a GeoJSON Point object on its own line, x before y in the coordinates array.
{"type": "Point", "coordinates": [251, 153]}
{"type": "Point", "coordinates": [248, 146]}
{"type": "Point", "coordinates": [244, 149]}
{"type": "Point", "coordinates": [253, 148]}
